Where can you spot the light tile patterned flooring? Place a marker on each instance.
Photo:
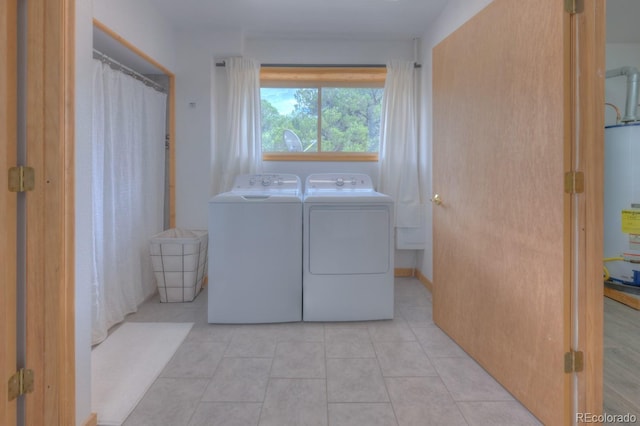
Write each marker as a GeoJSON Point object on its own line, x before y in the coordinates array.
{"type": "Point", "coordinates": [401, 372]}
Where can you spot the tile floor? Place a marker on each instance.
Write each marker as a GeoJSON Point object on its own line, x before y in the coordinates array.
{"type": "Point", "coordinates": [389, 373]}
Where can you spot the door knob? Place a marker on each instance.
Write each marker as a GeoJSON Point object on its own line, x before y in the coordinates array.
{"type": "Point", "coordinates": [436, 200]}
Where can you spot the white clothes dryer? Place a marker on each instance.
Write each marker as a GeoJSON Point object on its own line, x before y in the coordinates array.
{"type": "Point", "coordinates": [348, 253]}
{"type": "Point", "coordinates": [255, 251]}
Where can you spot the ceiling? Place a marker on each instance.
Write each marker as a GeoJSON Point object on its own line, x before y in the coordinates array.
{"type": "Point", "coordinates": [327, 18]}
{"type": "Point", "coordinates": [388, 19]}
{"type": "Point", "coordinates": [370, 19]}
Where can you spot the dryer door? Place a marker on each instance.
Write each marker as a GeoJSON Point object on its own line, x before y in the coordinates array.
{"type": "Point", "coordinates": [349, 240]}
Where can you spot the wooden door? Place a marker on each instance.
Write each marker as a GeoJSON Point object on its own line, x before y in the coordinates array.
{"type": "Point", "coordinates": [8, 203]}
{"type": "Point", "coordinates": [504, 244]}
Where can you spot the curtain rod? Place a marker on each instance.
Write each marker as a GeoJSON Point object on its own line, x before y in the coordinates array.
{"type": "Point", "coordinates": [416, 65]}
{"type": "Point", "coordinates": [130, 72]}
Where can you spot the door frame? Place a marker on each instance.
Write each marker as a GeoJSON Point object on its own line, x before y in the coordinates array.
{"type": "Point", "coordinates": [8, 212]}
{"type": "Point", "coordinates": [50, 210]}
{"type": "Point", "coordinates": [588, 41]}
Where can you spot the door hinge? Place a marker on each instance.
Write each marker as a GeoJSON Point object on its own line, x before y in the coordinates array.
{"type": "Point", "coordinates": [573, 361]}
{"type": "Point", "coordinates": [574, 182]}
{"type": "Point", "coordinates": [574, 6]}
{"type": "Point", "coordinates": [21, 179]}
{"type": "Point", "coordinates": [20, 383]}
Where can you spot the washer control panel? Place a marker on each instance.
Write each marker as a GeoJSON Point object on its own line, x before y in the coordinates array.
{"type": "Point", "coordinates": [338, 182]}
{"type": "Point", "coordinates": [267, 182]}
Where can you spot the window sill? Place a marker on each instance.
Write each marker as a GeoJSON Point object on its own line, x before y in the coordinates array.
{"type": "Point", "coordinates": [321, 156]}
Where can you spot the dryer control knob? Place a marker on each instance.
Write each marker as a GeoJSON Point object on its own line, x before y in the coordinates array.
{"type": "Point", "coordinates": [339, 181]}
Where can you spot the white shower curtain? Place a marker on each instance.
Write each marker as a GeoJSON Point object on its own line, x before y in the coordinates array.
{"type": "Point", "coordinates": [244, 154]}
{"type": "Point", "coordinates": [128, 147]}
{"type": "Point", "coordinates": [398, 173]}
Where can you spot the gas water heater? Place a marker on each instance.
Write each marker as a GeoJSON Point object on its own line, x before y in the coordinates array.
{"type": "Point", "coordinates": [622, 188]}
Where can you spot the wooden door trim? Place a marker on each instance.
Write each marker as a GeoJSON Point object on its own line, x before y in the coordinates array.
{"type": "Point", "coordinates": [588, 35]}
{"type": "Point", "coordinates": [8, 213]}
{"type": "Point", "coordinates": [50, 288]}
{"type": "Point", "coordinates": [172, 112]}
{"type": "Point", "coordinates": [569, 208]}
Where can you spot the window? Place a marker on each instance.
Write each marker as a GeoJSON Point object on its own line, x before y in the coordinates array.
{"type": "Point", "coordinates": [322, 114]}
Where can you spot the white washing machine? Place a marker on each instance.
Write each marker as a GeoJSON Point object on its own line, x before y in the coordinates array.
{"type": "Point", "coordinates": [255, 251]}
{"type": "Point", "coordinates": [347, 249]}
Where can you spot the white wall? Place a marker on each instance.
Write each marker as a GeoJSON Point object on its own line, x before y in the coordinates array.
{"type": "Point", "coordinates": [139, 23]}
{"type": "Point", "coordinates": [327, 51]}
{"type": "Point", "coordinates": [619, 55]}
{"type": "Point", "coordinates": [453, 16]}
{"type": "Point", "coordinates": [198, 100]}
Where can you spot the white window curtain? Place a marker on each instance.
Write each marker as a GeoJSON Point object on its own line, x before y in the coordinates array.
{"type": "Point", "coordinates": [244, 155]}
{"type": "Point", "coordinates": [127, 185]}
{"type": "Point", "coordinates": [398, 173]}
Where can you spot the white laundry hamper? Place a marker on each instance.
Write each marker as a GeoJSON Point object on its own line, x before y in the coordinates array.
{"type": "Point", "coordinates": [179, 258]}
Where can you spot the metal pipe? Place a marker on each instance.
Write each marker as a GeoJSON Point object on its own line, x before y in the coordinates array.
{"type": "Point", "coordinates": [618, 115]}
{"type": "Point", "coordinates": [633, 81]}
{"type": "Point", "coordinates": [125, 69]}
{"type": "Point", "coordinates": [416, 65]}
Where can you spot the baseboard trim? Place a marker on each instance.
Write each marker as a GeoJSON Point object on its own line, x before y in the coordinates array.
{"type": "Point", "coordinates": [622, 297]}
{"type": "Point", "coordinates": [403, 272]}
{"type": "Point", "coordinates": [424, 280]}
{"type": "Point", "coordinates": [414, 272]}
{"type": "Point", "coordinates": [92, 420]}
